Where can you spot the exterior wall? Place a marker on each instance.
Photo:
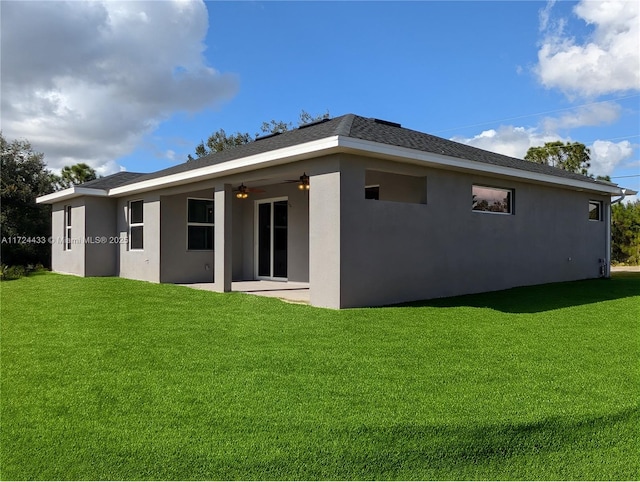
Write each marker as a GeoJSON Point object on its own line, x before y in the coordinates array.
{"type": "Point", "coordinates": [393, 252]}
{"type": "Point", "coordinates": [177, 264]}
{"type": "Point", "coordinates": [73, 260]}
{"type": "Point", "coordinates": [426, 243]}
{"type": "Point", "coordinates": [140, 264]}
{"type": "Point", "coordinates": [100, 222]}
{"type": "Point", "coordinates": [326, 196]}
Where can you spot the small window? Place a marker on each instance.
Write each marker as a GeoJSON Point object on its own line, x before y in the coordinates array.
{"type": "Point", "coordinates": [492, 200]}
{"type": "Point", "coordinates": [372, 192]}
{"type": "Point", "coordinates": [67, 228]}
{"type": "Point", "coordinates": [393, 187]}
{"type": "Point", "coordinates": [200, 224]}
{"type": "Point", "coordinates": [595, 210]}
{"type": "Point", "coordinates": [136, 225]}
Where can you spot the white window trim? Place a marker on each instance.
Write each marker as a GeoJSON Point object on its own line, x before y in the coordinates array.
{"type": "Point", "coordinates": [600, 210]}
{"type": "Point", "coordinates": [511, 200]}
{"type": "Point", "coordinates": [68, 219]}
{"type": "Point", "coordinates": [135, 225]}
{"type": "Point", "coordinates": [189, 223]}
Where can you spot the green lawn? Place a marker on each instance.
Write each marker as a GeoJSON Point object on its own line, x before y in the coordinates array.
{"type": "Point", "coordinates": [108, 378]}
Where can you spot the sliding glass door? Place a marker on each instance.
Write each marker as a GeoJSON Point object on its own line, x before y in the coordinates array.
{"type": "Point", "coordinates": [271, 238]}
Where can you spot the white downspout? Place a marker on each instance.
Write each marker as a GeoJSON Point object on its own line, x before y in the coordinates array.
{"type": "Point", "coordinates": [607, 268]}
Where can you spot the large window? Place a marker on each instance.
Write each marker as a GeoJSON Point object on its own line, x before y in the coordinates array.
{"type": "Point", "coordinates": [595, 210]}
{"type": "Point", "coordinates": [136, 225]}
{"type": "Point", "coordinates": [67, 228]}
{"type": "Point", "coordinates": [200, 224]}
{"type": "Point", "coordinates": [492, 200]}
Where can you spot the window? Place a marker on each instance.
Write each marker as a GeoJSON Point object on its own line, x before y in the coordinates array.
{"type": "Point", "coordinates": [372, 192]}
{"type": "Point", "coordinates": [595, 210]}
{"type": "Point", "coordinates": [200, 224]}
{"type": "Point", "coordinates": [492, 200]}
{"type": "Point", "coordinates": [67, 228]}
{"type": "Point", "coordinates": [136, 225]}
{"type": "Point", "coordinates": [394, 187]}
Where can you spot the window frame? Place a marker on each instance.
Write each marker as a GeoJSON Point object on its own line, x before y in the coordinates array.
{"type": "Point", "coordinates": [372, 186]}
{"type": "Point", "coordinates": [512, 196]}
{"type": "Point", "coordinates": [600, 207]}
{"type": "Point", "coordinates": [136, 224]}
{"type": "Point", "coordinates": [200, 224]}
{"type": "Point", "coordinates": [67, 227]}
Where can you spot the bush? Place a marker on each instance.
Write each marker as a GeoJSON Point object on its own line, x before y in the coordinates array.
{"type": "Point", "coordinates": [16, 272]}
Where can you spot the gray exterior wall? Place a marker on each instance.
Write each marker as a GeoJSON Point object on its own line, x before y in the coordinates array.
{"type": "Point", "coordinates": [392, 251]}
{"type": "Point", "coordinates": [140, 264]}
{"type": "Point", "coordinates": [68, 261]}
{"type": "Point", "coordinates": [420, 240]}
{"type": "Point", "coordinates": [100, 223]}
{"type": "Point", "coordinates": [177, 263]}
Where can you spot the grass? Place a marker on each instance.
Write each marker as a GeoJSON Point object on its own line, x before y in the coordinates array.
{"type": "Point", "coordinates": [117, 379]}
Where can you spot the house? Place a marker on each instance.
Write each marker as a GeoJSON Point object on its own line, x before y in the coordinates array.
{"type": "Point", "coordinates": [365, 211]}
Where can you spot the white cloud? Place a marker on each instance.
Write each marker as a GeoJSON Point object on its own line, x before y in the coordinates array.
{"type": "Point", "coordinates": [544, 15]}
{"type": "Point", "coordinates": [607, 62]}
{"type": "Point", "coordinates": [508, 140]}
{"type": "Point", "coordinates": [84, 81]}
{"type": "Point", "coordinates": [515, 141]}
{"type": "Point", "coordinates": [586, 115]}
{"type": "Point", "coordinates": [607, 155]}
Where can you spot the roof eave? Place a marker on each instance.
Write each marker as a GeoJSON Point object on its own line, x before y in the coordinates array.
{"type": "Point", "coordinates": [276, 157]}
{"type": "Point", "coordinates": [70, 193]}
{"type": "Point", "coordinates": [415, 156]}
{"type": "Point", "coordinates": [327, 146]}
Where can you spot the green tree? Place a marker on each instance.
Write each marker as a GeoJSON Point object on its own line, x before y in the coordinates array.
{"type": "Point", "coordinates": [572, 157]}
{"type": "Point", "coordinates": [625, 233]}
{"type": "Point", "coordinates": [220, 140]}
{"type": "Point", "coordinates": [273, 126]}
{"type": "Point", "coordinates": [23, 178]}
{"type": "Point", "coordinates": [76, 174]}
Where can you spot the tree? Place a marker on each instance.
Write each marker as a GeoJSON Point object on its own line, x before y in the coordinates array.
{"type": "Point", "coordinates": [625, 233]}
{"type": "Point", "coordinates": [24, 225]}
{"type": "Point", "coordinates": [76, 174]}
{"type": "Point", "coordinates": [273, 127]}
{"type": "Point", "coordinates": [572, 157]}
{"type": "Point", "coordinates": [220, 140]}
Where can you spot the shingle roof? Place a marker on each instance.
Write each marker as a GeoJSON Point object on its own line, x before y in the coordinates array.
{"type": "Point", "coordinates": [114, 180]}
{"type": "Point", "coordinates": [368, 129]}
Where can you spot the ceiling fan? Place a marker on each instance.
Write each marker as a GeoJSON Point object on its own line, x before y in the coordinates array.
{"type": "Point", "coordinates": [242, 191]}
{"type": "Point", "coordinates": [303, 182]}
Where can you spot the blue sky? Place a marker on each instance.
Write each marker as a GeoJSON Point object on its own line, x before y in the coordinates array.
{"type": "Point", "coordinates": [140, 84]}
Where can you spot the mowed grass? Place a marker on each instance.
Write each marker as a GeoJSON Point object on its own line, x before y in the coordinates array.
{"type": "Point", "coordinates": [117, 379]}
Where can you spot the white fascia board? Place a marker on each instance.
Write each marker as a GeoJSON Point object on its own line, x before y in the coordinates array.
{"type": "Point", "coordinates": [70, 193]}
{"type": "Point", "coordinates": [415, 156]}
{"type": "Point", "coordinates": [250, 163]}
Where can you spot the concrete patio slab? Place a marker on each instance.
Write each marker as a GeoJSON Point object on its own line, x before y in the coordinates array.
{"type": "Point", "coordinates": [289, 291]}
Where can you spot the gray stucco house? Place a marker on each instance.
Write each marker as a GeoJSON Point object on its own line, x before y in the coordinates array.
{"type": "Point", "coordinates": [365, 211]}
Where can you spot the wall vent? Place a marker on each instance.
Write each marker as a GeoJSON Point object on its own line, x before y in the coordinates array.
{"type": "Point", "coordinates": [386, 123]}
{"type": "Point", "coordinates": [267, 136]}
{"type": "Point", "coordinates": [304, 126]}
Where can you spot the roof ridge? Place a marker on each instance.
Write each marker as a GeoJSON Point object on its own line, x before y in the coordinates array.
{"type": "Point", "coordinates": [344, 126]}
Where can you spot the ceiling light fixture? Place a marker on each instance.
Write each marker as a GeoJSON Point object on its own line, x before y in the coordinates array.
{"type": "Point", "coordinates": [304, 182]}
{"type": "Point", "coordinates": [243, 192]}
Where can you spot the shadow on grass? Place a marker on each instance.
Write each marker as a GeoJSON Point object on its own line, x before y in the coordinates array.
{"type": "Point", "coordinates": [535, 299]}
{"type": "Point", "coordinates": [592, 448]}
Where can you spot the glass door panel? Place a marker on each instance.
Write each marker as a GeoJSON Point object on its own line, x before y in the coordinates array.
{"type": "Point", "coordinates": [280, 239]}
{"type": "Point", "coordinates": [271, 233]}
